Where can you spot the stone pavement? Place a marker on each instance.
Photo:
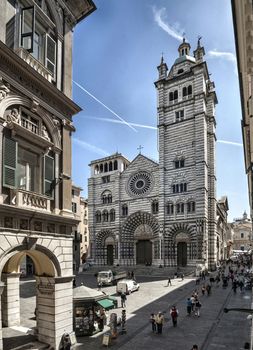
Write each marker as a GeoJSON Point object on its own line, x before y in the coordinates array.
{"type": "Point", "coordinates": [212, 330]}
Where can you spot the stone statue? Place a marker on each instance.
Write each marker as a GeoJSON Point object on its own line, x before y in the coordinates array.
{"type": "Point", "coordinates": [14, 116]}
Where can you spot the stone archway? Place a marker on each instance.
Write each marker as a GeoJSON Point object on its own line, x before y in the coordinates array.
{"type": "Point", "coordinates": [54, 292]}
{"type": "Point", "coordinates": [106, 248]}
{"type": "Point", "coordinates": [140, 243]}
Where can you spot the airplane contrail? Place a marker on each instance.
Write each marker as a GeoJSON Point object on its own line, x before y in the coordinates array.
{"type": "Point", "coordinates": [230, 143]}
{"type": "Point", "coordinates": [109, 109]}
{"type": "Point", "coordinates": [109, 120]}
{"type": "Point", "coordinates": [90, 147]}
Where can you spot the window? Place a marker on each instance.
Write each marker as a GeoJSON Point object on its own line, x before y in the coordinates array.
{"type": "Point", "coordinates": [187, 91]}
{"type": "Point", "coordinates": [74, 207]}
{"type": "Point", "coordinates": [115, 165]}
{"type": "Point", "coordinates": [182, 187]}
{"type": "Point", "coordinates": [36, 37]}
{"type": "Point", "coordinates": [98, 216]}
{"type": "Point", "coordinates": [109, 198]}
{"type": "Point", "coordinates": [179, 163]}
{"type": "Point", "coordinates": [106, 167]}
{"type": "Point", "coordinates": [27, 170]}
{"type": "Point", "coordinates": [179, 115]}
{"type": "Point", "coordinates": [105, 216]}
{"type": "Point", "coordinates": [110, 166]}
{"type": "Point", "coordinates": [155, 207]}
{"type": "Point", "coordinates": [191, 207]}
{"type": "Point", "coordinates": [171, 96]}
{"type": "Point", "coordinates": [105, 179]}
{"type": "Point", "coordinates": [242, 235]}
{"type": "Point", "coordinates": [184, 91]}
{"type": "Point", "coordinates": [180, 71]}
{"type": "Point", "coordinates": [73, 192]}
{"type": "Point", "coordinates": [112, 215]}
{"type": "Point", "coordinates": [101, 168]}
{"type": "Point", "coordinates": [175, 95]}
{"type": "Point", "coordinates": [170, 208]}
{"type": "Point", "coordinates": [124, 210]}
{"type": "Point", "coordinates": [180, 208]}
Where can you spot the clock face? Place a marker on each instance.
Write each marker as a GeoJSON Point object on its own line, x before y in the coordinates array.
{"type": "Point", "coordinates": [140, 184]}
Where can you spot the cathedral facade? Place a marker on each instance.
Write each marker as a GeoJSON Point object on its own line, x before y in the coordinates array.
{"type": "Point", "coordinates": [163, 213]}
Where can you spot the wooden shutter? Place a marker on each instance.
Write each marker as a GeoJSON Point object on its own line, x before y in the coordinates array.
{"type": "Point", "coordinates": [48, 175]}
{"type": "Point", "coordinates": [50, 54]}
{"type": "Point", "coordinates": [9, 162]}
{"type": "Point", "coordinates": [27, 27]}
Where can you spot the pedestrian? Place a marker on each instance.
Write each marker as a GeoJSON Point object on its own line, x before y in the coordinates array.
{"type": "Point", "coordinates": [99, 285]}
{"type": "Point", "coordinates": [234, 286]}
{"type": "Point", "coordinates": [169, 282]}
{"type": "Point", "coordinates": [132, 275]}
{"type": "Point", "coordinates": [197, 308]}
{"type": "Point", "coordinates": [197, 282]}
{"type": "Point", "coordinates": [153, 323]}
{"type": "Point", "coordinates": [195, 347]}
{"type": "Point", "coordinates": [102, 320]}
{"type": "Point", "coordinates": [182, 276]}
{"type": "Point", "coordinates": [159, 319]}
{"type": "Point", "coordinates": [203, 289]}
{"type": "Point", "coordinates": [189, 306]}
{"type": "Point", "coordinates": [123, 299]}
{"type": "Point", "coordinates": [208, 289]}
{"type": "Point", "coordinates": [174, 315]}
{"type": "Point", "coordinates": [192, 298]}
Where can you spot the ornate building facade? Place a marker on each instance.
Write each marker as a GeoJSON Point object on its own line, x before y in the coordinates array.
{"type": "Point", "coordinates": [35, 158]}
{"type": "Point", "coordinates": [147, 212]}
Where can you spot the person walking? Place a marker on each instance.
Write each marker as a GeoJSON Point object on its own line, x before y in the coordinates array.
{"type": "Point", "coordinates": [159, 319]}
{"type": "Point", "coordinates": [195, 347]}
{"type": "Point", "coordinates": [197, 308]}
{"type": "Point", "coordinates": [169, 282]}
{"type": "Point", "coordinates": [189, 306]}
{"type": "Point", "coordinates": [174, 315]}
{"type": "Point", "coordinates": [182, 276]}
{"type": "Point", "coordinates": [203, 289]}
{"type": "Point", "coordinates": [153, 323]}
{"type": "Point", "coordinates": [208, 289]}
{"type": "Point", "coordinates": [123, 299]}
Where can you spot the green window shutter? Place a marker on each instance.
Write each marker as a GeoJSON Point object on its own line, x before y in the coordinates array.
{"type": "Point", "coordinates": [48, 175]}
{"type": "Point", "coordinates": [9, 162]}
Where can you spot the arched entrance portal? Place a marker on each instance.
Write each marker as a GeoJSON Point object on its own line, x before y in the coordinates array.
{"type": "Point", "coordinates": [109, 249]}
{"type": "Point", "coordinates": [52, 294]}
{"type": "Point", "coordinates": [106, 248]}
{"type": "Point", "coordinates": [182, 254]}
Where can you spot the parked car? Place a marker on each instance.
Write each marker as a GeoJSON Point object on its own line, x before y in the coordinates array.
{"type": "Point", "coordinates": [127, 286]}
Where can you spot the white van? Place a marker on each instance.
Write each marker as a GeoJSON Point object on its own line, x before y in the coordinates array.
{"type": "Point", "coordinates": [127, 286]}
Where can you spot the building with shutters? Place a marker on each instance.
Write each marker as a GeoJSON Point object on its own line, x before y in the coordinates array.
{"type": "Point", "coordinates": [36, 110]}
{"type": "Point", "coordinates": [147, 212]}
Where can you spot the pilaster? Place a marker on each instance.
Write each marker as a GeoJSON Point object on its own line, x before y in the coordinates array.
{"type": "Point", "coordinates": [11, 299]}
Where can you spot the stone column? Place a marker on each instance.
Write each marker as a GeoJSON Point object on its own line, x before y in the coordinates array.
{"type": "Point", "coordinates": [11, 299]}
{"type": "Point", "coordinates": [54, 308]}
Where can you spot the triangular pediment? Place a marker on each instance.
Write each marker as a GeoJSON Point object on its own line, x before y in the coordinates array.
{"type": "Point", "coordinates": [141, 162]}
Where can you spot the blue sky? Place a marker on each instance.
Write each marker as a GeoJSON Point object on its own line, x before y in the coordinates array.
{"type": "Point", "coordinates": [116, 52]}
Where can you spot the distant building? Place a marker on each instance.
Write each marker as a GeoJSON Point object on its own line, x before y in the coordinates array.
{"type": "Point", "coordinates": [242, 233]}
{"type": "Point", "coordinates": [223, 237]}
{"type": "Point", "coordinates": [77, 211]}
{"type": "Point", "coordinates": [147, 212]}
{"type": "Point", "coordinates": [84, 231]}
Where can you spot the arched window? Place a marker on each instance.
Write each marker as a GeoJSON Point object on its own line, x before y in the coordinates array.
{"type": "Point", "coordinates": [184, 91]}
{"type": "Point", "coordinates": [98, 216]}
{"type": "Point", "coordinates": [96, 170]}
{"type": "Point", "coordinates": [115, 165]}
{"type": "Point", "coordinates": [105, 216]}
{"type": "Point", "coordinates": [106, 167]}
{"type": "Point", "coordinates": [104, 199]}
{"type": "Point", "coordinates": [101, 168]}
{"type": "Point", "coordinates": [171, 96]}
{"type": "Point", "coordinates": [181, 187]}
{"type": "Point", "coordinates": [185, 187]}
{"type": "Point", "coordinates": [155, 207]}
{"type": "Point", "coordinates": [180, 208]}
{"type": "Point", "coordinates": [175, 95]}
{"type": "Point", "coordinates": [124, 210]}
{"type": "Point", "coordinates": [110, 166]}
{"type": "Point", "coordinates": [190, 90]}
{"type": "Point", "coordinates": [112, 215]}
{"type": "Point", "coordinates": [191, 207]}
{"type": "Point", "coordinates": [174, 188]}
{"type": "Point", "coordinates": [170, 208]}
{"type": "Point", "coordinates": [109, 198]}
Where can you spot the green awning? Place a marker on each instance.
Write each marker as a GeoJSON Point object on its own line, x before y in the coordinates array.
{"type": "Point", "coordinates": [106, 304]}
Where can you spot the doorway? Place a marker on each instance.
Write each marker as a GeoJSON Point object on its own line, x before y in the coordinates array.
{"type": "Point", "coordinates": [144, 252]}
{"type": "Point", "coordinates": [182, 254]}
{"type": "Point", "coordinates": [109, 249]}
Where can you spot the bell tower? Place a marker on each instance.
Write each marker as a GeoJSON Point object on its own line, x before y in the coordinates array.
{"type": "Point", "coordinates": [186, 130]}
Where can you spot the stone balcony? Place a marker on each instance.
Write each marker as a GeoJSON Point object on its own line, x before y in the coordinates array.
{"type": "Point", "coordinates": [37, 65]}
{"type": "Point", "coordinates": [30, 200]}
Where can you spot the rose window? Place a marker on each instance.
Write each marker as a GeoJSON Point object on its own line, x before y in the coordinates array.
{"type": "Point", "coordinates": [140, 184]}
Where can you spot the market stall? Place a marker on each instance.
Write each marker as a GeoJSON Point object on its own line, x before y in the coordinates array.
{"type": "Point", "coordinates": [89, 306]}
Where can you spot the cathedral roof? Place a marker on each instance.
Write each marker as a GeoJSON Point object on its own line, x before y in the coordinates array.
{"type": "Point", "coordinates": [111, 157]}
{"type": "Point", "coordinates": [142, 155]}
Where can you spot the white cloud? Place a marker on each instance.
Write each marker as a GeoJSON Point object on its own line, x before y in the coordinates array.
{"type": "Point", "coordinates": [108, 108]}
{"type": "Point", "coordinates": [230, 143]}
{"type": "Point", "coordinates": [228, 56]}
{"type": "Point", "coordinates": [90, 147]}
{"type": "Point", "coordinates": [173, 30]}
{"type": "Point", "coordinates": [109, 120]}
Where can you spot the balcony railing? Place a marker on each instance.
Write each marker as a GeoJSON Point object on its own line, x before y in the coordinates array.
{"type": "Point", "coordinates": [30, 200]}
{"type": "Point", "coordinates": [29, 125]}
{"type": "Point", "coordinates": [37, 65]}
